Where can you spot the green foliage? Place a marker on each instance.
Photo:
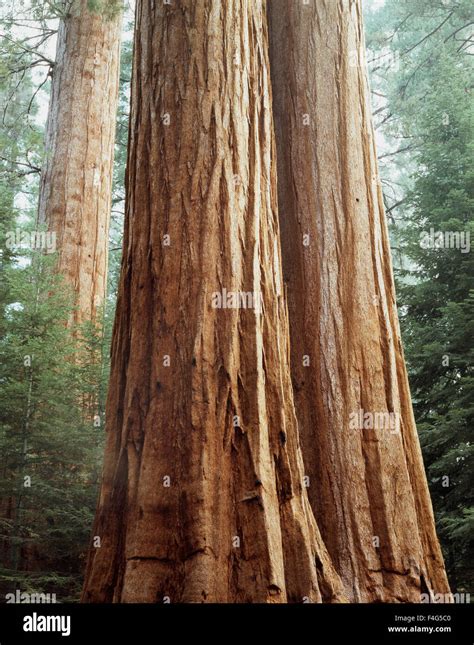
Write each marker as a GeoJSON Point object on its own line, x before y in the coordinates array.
{"type": "Point", "coordinates": [48, 439]}
{"type": "Point", "coordinates": [20, 154]}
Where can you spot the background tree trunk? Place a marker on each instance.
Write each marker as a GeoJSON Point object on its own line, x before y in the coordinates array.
{"type": "Point", "coordinates": [76, 185]}
{"type": "Point", "coordinates": [202, 496]}
{"type": "Point", "coordinates": [368, 487]}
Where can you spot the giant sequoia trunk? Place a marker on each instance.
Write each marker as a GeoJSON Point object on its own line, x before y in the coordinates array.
{"type": "Point", "coordinates": [203, 496]}
{"type": "Point", "coordinates": [368, 487]}
{"type": "Point", "coordinates": [76, 183]}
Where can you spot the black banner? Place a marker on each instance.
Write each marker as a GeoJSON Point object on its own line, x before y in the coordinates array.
{"type": "Point", "coordinates": [162, 623]}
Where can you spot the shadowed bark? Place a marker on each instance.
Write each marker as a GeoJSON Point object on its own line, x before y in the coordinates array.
{"type": "Point", "coordinates": [368, 487]}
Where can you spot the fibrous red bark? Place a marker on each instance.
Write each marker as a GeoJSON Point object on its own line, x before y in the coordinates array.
{"type": "Point", "coordinates": [368, 486]}
{"type": "Point", "coordinates": [203, 495]}
{"type": "Point", "coordinates": [76, 184]}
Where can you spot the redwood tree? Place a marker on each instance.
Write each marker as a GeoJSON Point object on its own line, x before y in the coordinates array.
{"type": "Point", "coordinates": [76, 184]}
{"type": "Point", "coordinates": [368, 487]}
{"type": "Point", "coordinates": [203, 495]}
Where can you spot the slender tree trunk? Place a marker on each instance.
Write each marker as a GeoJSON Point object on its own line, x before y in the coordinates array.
{"type": "Point", "coordinates": [203, 496]}
{"type": "Point", "coordinates": [18, 512]}
{"type": "Point", "coordinates": [368, 486]}
{"type": "Point", "coordinates": [76, 184]}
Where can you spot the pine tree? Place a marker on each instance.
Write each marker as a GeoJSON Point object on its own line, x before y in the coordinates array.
{"type": "Point", "coordinates": [45, 437]}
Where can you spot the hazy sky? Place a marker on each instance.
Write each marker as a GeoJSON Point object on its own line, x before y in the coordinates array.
{"type": "Point", "coordinates": [374, 4]}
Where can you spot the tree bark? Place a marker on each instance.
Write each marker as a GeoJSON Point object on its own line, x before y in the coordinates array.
{"type": "Point", "coordinates": [203, 497]}
{"type": "Point", "coordinates": [76, 184]}
{"type": "Point", "coordinates": [368, 486]}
